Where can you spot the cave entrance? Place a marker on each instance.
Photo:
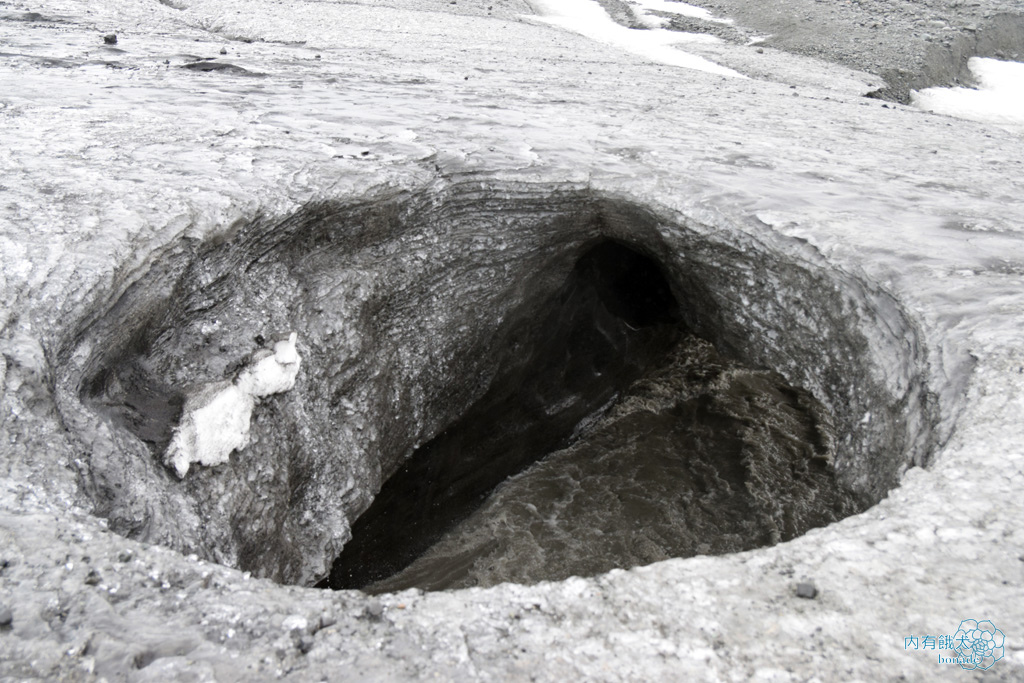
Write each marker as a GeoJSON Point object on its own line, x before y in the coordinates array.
{"type": "Point", "coordinates": [599, 392]}
{"type": "Point", "coordinates": [611, 388]}
{"type": "Point", "coordinates": [563, 362]}
{"type": "Point", "coordinates": [609, 437]}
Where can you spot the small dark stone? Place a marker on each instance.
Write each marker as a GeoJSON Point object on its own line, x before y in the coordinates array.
{"type": "Point", "coordinates": [93, 578]}
{"type": "Point", "coordinates": [306, 644]}
{"type": "Point", "coordinates": [125, 555]}
{"type": "Point", "coordinates": [374, 610]}
{"type": "Point", "coordinates": [760, 50]}
{"type": "Point", "coordinates": [223, 50]}
{"type": "Point", "coordinates": [806, 589]}
{"type": "Point", "coordinates": [110, 39]}
{"type": "Point", "coordinates": [6, 616]}
{"type": "Point", "coordinates": [223, 67]}
{"type": "Point", "coordinates": [259, 339]}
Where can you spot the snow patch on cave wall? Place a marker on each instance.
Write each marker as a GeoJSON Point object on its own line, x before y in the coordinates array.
{"type": "Point", "coordinates": [215, 419]}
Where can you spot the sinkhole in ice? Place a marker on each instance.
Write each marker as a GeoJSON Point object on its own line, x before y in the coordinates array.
{"type": "Point", "coordinates": [493, 382]}
{"type": "Point", "coordinates": [626, 440]}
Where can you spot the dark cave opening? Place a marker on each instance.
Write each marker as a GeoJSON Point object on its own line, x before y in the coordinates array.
{"type": "Point", "coordinates": [612, 388]}
{"type": "Point", "coordinates": [564, 361]}
{"type": "Point", "coordinates": [609, 437]}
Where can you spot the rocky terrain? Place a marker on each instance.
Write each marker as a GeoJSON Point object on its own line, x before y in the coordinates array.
{"type": "Point", "coordinates": [912, 44]}
{"type": "Point", "coordinates": [341, 226]}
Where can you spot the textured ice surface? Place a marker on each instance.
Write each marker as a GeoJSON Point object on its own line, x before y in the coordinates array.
{"type": "Point", "coordinates": [115, 161]}
{"type": "Point", "coordinates": [998, 99]}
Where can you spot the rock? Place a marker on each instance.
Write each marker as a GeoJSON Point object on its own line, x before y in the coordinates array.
{"type": "Point", "coordinates": [223, 67]}
{"type": "Point", "coordinates": [806, 589]}
{"type": "Point", "coordinates": [374, 610]}
{"type": "Point", "coordinates": [6, 616]}
{"type": "Point", "coordinates": [110, 39]}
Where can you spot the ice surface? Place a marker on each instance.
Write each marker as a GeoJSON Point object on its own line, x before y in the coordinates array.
{"type": "Point", "coordinates": [998, 99]}
{"type": "Point", "coordinates": [111, 161]}
{"type": "Point", "coordinates": [658, 45]}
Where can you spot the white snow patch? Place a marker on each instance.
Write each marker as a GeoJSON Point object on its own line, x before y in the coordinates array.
{"type": "Point", "coordinates": [588, 18]}
{"type": "Point", "coordinates": [215, 419]}
{"type": "Point", "coordinates": [998, 99]}
{"type": "Point", "coordinates": [680, 8]}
